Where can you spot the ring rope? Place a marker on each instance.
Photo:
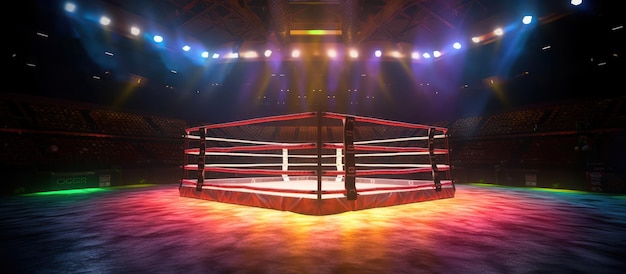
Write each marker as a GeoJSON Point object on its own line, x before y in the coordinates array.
{"type": "Point", "coordinates": [241, 141]}
{"type": "Point", "coordinates": [313, 172]}
{"type": "Point", "coordinates": [382, 122]}
{"type": "Point", "coordinates": [262, 171]}
{"type": "Point", "coordinates": [232, 140]}
{"type": "Point", "coordinates": [260, 165]}
{"type": "Point", "coordinates": [257, 121]}
{"type": "Point", "coordinates": [385, 148]}
{"type": "Point", "coordinates": [254, 148]}
{"type": "Point", "coordinates": [384, 171]}
{"type": "Point", "coordinates": [440, 166]}
{"type": "Point", "coordinates": [263, 155]}
{"type": "Point", "coordinates": [401, 165]}
{"type": "Point", "coordinates": [275, 146]}
{"type": "Point", "coordinates": [391, 154]}
{"type": "Point", "coordinates": [239, 154]}
{"type": "Point", "coordinates": [313, 156]}
{"type": "Point", "coordinates": [417, 138]}
{"type": "Point", "coordinates": [254, 171]}
{"type": "Point", "coordinates": [312, 145]}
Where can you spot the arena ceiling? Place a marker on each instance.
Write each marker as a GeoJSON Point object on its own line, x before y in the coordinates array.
{"type": "Point", "coordinates": [250, 23]}
{"type": "Point", "coordinates": [73, 56]}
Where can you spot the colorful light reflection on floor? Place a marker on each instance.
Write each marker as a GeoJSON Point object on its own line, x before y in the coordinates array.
{"type": "Point", "coordinates": [486, 229]}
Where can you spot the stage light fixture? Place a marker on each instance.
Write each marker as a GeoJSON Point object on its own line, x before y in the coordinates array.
{"type": "Point", "coordinates": [105, 21]}
{"type": "Point", "coordinates": [250, 54]}
{"type": "Point", "coordinates": [70, 7]}
{"type": "Point", "coordinates": [315, 32]}
{"type": "Point", "coordinates": [332, 53]}
{"type": "Point", "coordinates": [576, 2]}
{"type": "Point", "coordinates": [527, 19]}
{"type": "Point", "coordinates": [354, 53]}
{"type": "Point", "coordinates": [135, 31]}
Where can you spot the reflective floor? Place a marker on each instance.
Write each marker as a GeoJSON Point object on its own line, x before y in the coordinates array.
{"type": "Point", "coordinates": [151, 229]}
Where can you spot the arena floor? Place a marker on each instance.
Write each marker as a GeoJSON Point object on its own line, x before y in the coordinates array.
{"type": "Point", "coordinates": [151, 229]}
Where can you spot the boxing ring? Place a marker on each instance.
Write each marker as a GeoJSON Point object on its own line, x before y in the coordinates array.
{"type": "Point", "coordinates": [316, 163]}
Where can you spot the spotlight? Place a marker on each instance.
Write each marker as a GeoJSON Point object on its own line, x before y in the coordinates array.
{"type": "Point", "coordinates": [527, 19]}
{"type": "Point", "coordinates": [105, 21]}
{"type": "Point", "coordinates": [70, 7]}
{"type": "Point", "coordinates": [354, 53]}
{"type": "Point", "coordinates": [135, 31]}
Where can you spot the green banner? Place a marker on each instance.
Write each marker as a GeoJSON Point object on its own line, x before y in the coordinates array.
{"type": "Point", "coordinates": [73, 180]}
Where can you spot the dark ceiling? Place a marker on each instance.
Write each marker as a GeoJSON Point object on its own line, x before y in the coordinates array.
{"type": "Point", "coordinates": [569, 52]}
{"type": "Point", "coordinates": [270, 21]}
{"type": "Point", "coordinates": [422, 22]}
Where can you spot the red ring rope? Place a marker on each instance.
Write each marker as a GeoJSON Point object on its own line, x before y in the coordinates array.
{"type": "Point", "coordinates": [255, 171]}
{"type": "Point", "coordinates": [381, 121]}
{"type": "Point", "coordinates": [384, 148]}
{"type": "Point", "coordinates": [253, 148]}
{"type": "Point", "coordinates": [361, 172]}
{"type": "Point", "coordinates": [257, 121]}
